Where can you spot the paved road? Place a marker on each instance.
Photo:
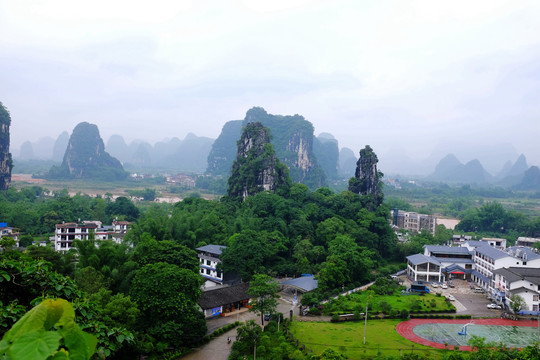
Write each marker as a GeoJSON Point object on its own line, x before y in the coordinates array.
{"type": "Point", "coordinates": [218, 348]}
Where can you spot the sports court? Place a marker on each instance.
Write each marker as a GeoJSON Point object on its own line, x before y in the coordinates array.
{"type": "Point", "coordinates": [437, 332]}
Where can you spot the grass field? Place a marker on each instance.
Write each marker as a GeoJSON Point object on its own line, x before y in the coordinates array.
{"type": "Point", "coordinates": [347, 338]}
{"type": "Point", "coordinates": [357, 302]}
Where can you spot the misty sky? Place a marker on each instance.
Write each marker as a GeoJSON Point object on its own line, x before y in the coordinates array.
{"type": "Point", "coordinates": [404, 75]}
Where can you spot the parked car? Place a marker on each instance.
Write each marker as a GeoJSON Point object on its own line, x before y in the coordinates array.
{"type": "Point", "coordinates": [451, 284]}
{"type": "Point", "coordinates": [451, 298]}
{"type": "Point", "coordinates": [494, 306]}
{"type": "Point", "coordinates": [266, 317]}
{"type": "Point", "coordinates": [444, 286]}
{"type": "Point", "coordinates": [434, 285]}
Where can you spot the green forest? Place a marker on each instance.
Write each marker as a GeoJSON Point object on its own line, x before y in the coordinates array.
{"type": "Point", "coordinates": [119, 293]}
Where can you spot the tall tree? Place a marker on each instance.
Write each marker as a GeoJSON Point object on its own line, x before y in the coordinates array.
{"type": "Point", "coordinates": [167, 296]}
{"type": "Point", "coordinates": [264, 290]}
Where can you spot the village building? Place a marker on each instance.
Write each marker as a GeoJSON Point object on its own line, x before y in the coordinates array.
{"type": "Point", "coordinates": [66, 233]}
{"type": "Point", "coordinates": [413, 221]}
{"type": "Point", "coordinates": [526, 241]}
{"type": "Point", "coordinates": [10, 232]}
{"type": "Point", "coordinates": [209, 267]}
{"type": "Point", "coordinates": [224, 300]}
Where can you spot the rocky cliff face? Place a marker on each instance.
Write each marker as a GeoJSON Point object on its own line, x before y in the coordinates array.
{"type": "Point", "coordinates": [292, 138]}
{"type": "Point", "coordinates": [6, 163]}
{"type": "Point", "coordinates": [256, 167]}
{"type": "Point", "coordinates": [85, 157]}
{"type": "Point", "coordinates": [367, 180]}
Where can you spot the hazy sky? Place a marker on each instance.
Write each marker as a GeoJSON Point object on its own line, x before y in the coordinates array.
{"type": "Point", "coordinates": [392, 74]}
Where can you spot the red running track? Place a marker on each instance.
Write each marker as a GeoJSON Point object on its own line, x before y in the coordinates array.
{"type": "Point", "coordinates": [405, 328]}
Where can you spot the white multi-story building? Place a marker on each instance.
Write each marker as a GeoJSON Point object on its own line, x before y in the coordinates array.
{"type": "Point", "coordinates": [487, 259]}
{"type": "Point", "coordinates": [66, 233]}
{"type": "Point", "coordinates": [424, 268]}
{"type": "Point", "coordinates": [524, 282]}
{"type": "Point", "coordinates": [208, 263]}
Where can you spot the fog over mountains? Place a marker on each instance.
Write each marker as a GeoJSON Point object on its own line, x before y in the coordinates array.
{"type": "Point", "coordinates": [313, 160]}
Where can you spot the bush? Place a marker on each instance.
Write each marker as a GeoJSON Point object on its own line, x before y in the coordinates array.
{"type": "Point", "coordinates": [335, 318]}
{"type": "Point", "coordinates": [314, 311]}
{"type": "Point", "coordinates": [404, 314]}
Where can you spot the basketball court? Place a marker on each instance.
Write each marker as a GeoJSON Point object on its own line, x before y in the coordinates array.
{"type": "Point", "coordinates": [442, 333]}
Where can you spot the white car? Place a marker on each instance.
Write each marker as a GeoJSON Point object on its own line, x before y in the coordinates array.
{"type": "Point", "coordinates": [434, 285]}
{"type": "Point", "coordinates": [494, 306]}
{"type": "Point", "coordinates": [451, 298]}
{"type": "Point", "coordinates": [444, 286]}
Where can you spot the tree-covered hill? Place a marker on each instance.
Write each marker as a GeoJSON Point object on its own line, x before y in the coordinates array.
{"type": "Point", "coordinates": [292, 138]}
{"type": "Point", "coordinates": [85, 157]}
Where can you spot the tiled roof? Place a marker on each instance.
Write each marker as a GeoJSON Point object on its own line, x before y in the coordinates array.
{"type": "Point", "coordinates": [481, 276]}
{"type": "Point", "coordinates": [417, 259]}
{"type": "Point", "coordinates": [439, 249]}
{"type": "Point", "coordinates": [212, 249]}
{"type": "Point", "coordinates": [513, 274]}
{"type": "Point", "coordinates": [523, 253]}
{"type": "Point", "coordinates": [223, 296]}
{"type": "Point", "coordinates": [491, 252]}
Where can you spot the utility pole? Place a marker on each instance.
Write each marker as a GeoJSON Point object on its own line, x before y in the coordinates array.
{"type": "Point", "coordinates": [365, 324]}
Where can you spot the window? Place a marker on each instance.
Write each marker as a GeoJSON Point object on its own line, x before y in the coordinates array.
{"type": "Point", "coordinates": [535, 297]}
{"type": "Point", "coordinates": [207, 271]}
{"type": "Point", "coordinates": [524, 263]}
{"type": "Point", "coordinates": [535, 307]}
{"type": "Point", "coordinates": [208, 262]}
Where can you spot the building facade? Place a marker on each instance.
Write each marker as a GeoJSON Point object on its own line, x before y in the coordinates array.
{"type": "Point", "coordinates": [413, 221]}
{"type": "Point", "coordinates": [208, 264]}
{"type": "Point", "coordinates": [524, 282]}
{"type": "Point", "coordinates": [66, 233]}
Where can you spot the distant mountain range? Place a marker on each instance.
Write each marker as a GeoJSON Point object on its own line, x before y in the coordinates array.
{"type": "Point", "coordinates": [517, 175]}
{"type": "Point", "coordinates": [295, 143]}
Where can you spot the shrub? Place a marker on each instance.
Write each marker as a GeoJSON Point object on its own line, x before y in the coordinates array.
{"type": "Point", "coordinates": [335, 318]}
{"type": "Point", "coordinates": [404, 314]}
{"type": "Point", "coordinates": [314, 311]}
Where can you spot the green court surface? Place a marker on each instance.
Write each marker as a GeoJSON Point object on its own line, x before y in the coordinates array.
{"type": "Point", "coordinates": [511, 336]}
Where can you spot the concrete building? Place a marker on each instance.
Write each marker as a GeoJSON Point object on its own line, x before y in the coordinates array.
{"type": "Point", "coordinates": [208, 264]}
{"type": "Point", "coordinates": [413, 221]}
{"type": "Point", "coordinates": [424, 268]}
{"type": "Point", "coordinates": [66, 233]}
{"type": "Point", "coordinates": [526, 241]}
{"type": "Point", "coordinates": [456, 262]}
{"type": "Point", "coordinates": [488, 258]}
{"type": "Point", "coordinates": [517, 281]}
